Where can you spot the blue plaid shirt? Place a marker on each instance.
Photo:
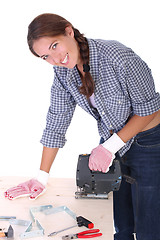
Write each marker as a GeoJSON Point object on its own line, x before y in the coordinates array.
{"type": "Point", "coordinates": [123, 87]}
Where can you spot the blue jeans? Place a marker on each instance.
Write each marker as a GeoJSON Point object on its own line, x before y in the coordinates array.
{"type": "Point", "coordinates": [137, 205]}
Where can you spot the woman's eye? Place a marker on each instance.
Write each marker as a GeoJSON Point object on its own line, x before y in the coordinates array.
{"type": "Point", "coordinates": [45, 57]}
{"type": "Point", "coordinates": [54, 45]}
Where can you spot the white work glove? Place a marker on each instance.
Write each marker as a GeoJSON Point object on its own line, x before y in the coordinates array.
{"type": "Point", "coordinates": [32, 188]}
{"type": "Point", "coordinates": [101, 157]}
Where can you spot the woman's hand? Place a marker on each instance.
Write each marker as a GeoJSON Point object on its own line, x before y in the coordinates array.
{"type": "Point", "coordinates": [100, 159]}
{"type": "Point", "coordinates": [32, 188]}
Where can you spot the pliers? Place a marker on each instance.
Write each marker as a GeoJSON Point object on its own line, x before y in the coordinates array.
{"type": "Point", "coordinates": [84, 234]}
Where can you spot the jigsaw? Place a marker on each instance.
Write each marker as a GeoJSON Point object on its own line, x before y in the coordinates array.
{"type": "Point", "coordinates": [94, 184]}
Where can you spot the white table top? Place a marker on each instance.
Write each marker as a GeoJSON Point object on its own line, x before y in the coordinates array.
{"type": "Point", "coordinates": [60, 192]}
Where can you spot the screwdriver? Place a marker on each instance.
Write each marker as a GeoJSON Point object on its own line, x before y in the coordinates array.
{"type": "Point", "coordinates": [54, 233]}
{"type": "Point", "coordinates": [81, 221]}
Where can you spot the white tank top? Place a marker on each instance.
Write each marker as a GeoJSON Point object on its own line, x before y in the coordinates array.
{"type": "Point", "coordinates": [92, 101]}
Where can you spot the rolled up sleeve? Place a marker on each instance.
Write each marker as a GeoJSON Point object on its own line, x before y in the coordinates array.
{"type": "Point", "coordinates": [58, 117]}
{"type": "Point", "coordinates": [144, 98]}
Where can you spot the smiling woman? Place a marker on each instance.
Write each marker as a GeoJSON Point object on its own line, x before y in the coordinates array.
{"type": "Point", "coordinates": [115, 86]}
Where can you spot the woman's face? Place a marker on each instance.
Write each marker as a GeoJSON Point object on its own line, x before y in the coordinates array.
{"type": "Point", "coordinates": [62, 50]}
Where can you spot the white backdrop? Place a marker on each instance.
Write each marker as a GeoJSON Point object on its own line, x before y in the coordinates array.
{"type": "Point", "coordinates": [26, 80]}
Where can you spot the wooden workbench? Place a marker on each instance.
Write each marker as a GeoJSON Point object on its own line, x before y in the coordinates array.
{"type": "Point", "coordinates": [60, 192]}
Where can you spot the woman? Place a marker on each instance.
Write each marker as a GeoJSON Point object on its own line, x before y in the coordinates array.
{"type": "Point", "coordinates": [116, 87]}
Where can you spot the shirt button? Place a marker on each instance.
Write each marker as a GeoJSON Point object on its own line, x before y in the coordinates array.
{"type": "Point", "coordinates": [119, 102]}
{"type": "Point", "coordinates": [103, 113]}
{"type": "Point", "coordinates": [110, 126]}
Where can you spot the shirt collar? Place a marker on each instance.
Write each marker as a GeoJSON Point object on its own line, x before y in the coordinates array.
{"type": "Point", "coordinates": [93, 62]}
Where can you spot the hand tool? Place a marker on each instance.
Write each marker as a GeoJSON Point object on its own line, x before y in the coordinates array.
{"type": "Point", "coordinates": [84, 234]}
{"type": "Point", "coordinates": [81, 221]}
{"type": "Point", "coordinates": [54, 233]}
{"type": "Point", "coordinates": [8, 234]}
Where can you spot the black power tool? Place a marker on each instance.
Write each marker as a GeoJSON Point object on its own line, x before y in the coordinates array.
{"type": "Point", "coordinates": [95, 184]}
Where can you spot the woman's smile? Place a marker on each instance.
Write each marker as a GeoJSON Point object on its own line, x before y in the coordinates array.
{"type": "Point", "coordinates": [65, 60]}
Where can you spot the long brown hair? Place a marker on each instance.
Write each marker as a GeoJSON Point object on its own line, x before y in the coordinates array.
{"type": "Point", "coordinates": [50, 25]}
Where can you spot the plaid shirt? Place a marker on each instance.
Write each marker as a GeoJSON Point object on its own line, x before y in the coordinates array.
{"type": "Point", "coordinates": [123, 87]}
